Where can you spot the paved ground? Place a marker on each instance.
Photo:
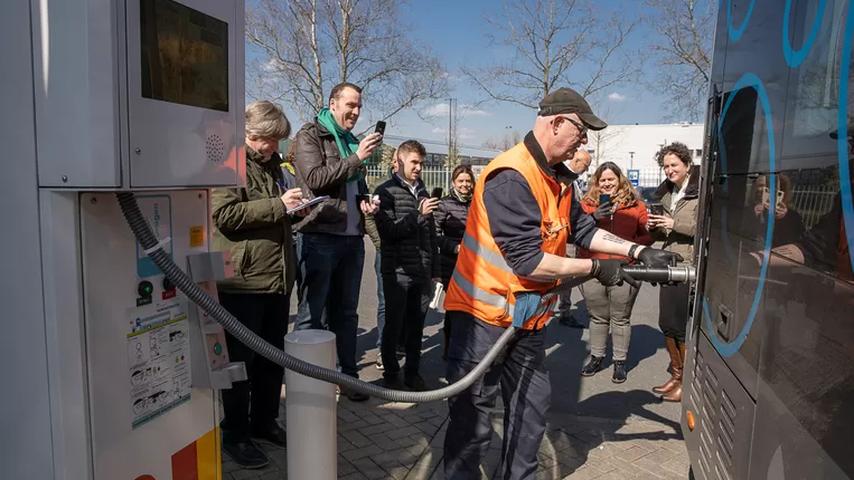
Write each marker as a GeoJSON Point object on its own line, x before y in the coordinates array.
{"type": "Point", "coordinates": [597, 430]}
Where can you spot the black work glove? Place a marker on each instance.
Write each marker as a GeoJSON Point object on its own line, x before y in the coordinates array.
{"type": "Point", "coordinates": [653, 257]}
{"type": "Point", "coordinates": [610, 273]}
{"type": "Point", "coordinates": [602, 212]}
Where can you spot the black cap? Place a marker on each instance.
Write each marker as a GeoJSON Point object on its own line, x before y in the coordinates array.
{"type": "Point", "coordinates": [567, 100]}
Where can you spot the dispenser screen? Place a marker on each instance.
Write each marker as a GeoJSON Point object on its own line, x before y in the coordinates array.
{"type": "Point", "coordinates": [184, 55]}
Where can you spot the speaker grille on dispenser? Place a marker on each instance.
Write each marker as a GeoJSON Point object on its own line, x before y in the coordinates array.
{"type": "Point", "coordinates": [215, 148]}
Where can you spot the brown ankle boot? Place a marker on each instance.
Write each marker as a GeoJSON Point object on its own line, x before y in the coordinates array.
{"type": "Point", "coordinates": [675, 394]}
{"type": "Point", "coordinates": [675, 366]}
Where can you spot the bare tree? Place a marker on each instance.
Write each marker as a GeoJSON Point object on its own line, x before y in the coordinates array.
{"type": "Point", "coordinates": [601, 141]}
{"type": "Point", "coordinates": [301, 48]}
{"type": "Point", "coordinates": [683, 49]}
{"type": "Point", "coordinates": [556, 43]}
{"type": "Point", "coordinates": [504, 142]}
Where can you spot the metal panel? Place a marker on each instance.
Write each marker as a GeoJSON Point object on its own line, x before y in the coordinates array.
{"type": "Point", "coordinates": [177, 145]}
{"type": "Point", "coordinates": [25, 421]}
{"type": "Point", "coordinates": [134, 438]}
{"type": "Point", "coordinates": [724, 417]}
{"type": "Point", "coordinates": [75, 48]}
{"type": "Point", "coordinates": [63, 301]}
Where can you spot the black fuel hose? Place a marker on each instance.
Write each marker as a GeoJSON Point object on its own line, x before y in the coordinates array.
{"type": "Point", "coordinates": [143, 234]}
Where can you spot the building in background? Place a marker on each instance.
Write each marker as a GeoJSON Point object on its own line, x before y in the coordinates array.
{"type": "Point", "coordinates": [633, 147]}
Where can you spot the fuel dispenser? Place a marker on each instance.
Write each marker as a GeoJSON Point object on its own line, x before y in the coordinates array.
{"type": "Point", "coordinates": [142, 96]}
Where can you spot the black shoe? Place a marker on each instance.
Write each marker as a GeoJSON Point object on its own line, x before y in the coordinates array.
{"type": "Point", "coordinates": [353, 395]}
{"type": "Point", "coordinates": [272, 433]}
{"type": "Point", "coordinates": [246, 454]}
{"type": "Point", "coordinates": [415, 382]}
{"type": "Point", "coordinates": [392, 381]}
{"type": "Point", "coordinates": [593, 366]}
{"type": "Point", "coordinates": [619, 371]}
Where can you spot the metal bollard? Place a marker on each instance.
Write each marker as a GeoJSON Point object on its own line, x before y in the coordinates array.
{"type": "Point", "coordinates": [311, 409]}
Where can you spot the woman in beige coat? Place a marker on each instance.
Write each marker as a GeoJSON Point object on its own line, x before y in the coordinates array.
{"type": "Point", "coordinates": [676, 226]}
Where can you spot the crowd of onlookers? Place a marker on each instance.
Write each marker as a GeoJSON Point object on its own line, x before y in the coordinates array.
{"type": "Point", "coordinates": [276, 242]}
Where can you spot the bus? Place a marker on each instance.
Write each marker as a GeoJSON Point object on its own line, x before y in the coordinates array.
{"type": "Point", "coordinates": [769, 375]}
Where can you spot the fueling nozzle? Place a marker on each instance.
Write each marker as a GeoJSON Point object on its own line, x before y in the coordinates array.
{"type": "Point", "coordinates": [677, 274]}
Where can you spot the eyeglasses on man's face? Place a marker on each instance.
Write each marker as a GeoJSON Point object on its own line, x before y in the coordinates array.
{"type": "Point", "coordinates": [582, 129]}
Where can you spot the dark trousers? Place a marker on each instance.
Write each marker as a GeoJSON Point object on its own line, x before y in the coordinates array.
{"type": "Point", "coordinates": [673, 310]}
{"type": "Point", "coordinates": [525, 390]}
{"type": "Point", "coordinates": [331, 268]}
{"type": "Point", "coordinates": [407, 300]}
{"type": "Point", "coordinates": [254, 403]}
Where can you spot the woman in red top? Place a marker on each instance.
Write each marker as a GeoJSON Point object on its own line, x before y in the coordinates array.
{"type": "Point", "coordinates": [617, 208]}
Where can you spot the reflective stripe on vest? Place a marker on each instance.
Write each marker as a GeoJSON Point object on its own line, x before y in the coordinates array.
{"type": "Point", "coordinates": [493, 258]}
{"type": "Point", "coordinates": [547, 302]}
{"type": "Point", "coordinates": [479, 294]}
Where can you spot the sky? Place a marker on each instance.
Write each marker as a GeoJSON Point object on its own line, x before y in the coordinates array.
{"type": "Point", "coordinates": [457, 34]}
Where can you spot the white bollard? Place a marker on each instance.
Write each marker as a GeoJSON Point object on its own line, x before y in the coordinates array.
{"type": "Point", "coordinates": [311, 409]}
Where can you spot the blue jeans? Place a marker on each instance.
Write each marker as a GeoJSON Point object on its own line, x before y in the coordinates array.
{"type": "Point", "coordinates": [380, 301]}
{"type": "Point", "coordinates": [331, 268]}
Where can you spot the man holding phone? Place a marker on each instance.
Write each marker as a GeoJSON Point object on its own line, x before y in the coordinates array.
{"type": "Point", "coordinates": [409, 262]}
{"type": "Point", "coordinates": [330, 160]}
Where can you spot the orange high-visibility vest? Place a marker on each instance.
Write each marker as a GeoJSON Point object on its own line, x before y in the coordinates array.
{"type": "Point", "coordinates": [483, 284]}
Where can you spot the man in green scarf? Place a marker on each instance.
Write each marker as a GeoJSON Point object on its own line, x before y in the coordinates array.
{"type": "Point", "coordinates": [329, 160]}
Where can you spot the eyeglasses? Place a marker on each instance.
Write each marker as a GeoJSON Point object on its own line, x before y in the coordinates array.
{"type": "Point", "coordinates": [582, 130]}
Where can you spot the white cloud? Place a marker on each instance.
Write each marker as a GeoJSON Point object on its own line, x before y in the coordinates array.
{"type": "Point", "coordinates": [442, 110]}
{"type": "Point", "coordinates": [616, 97]}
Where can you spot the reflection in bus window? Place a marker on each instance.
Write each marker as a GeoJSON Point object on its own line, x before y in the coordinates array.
{"type": "Point", "coordinates": [776, 206]}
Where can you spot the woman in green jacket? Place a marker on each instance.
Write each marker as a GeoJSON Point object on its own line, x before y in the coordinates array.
{"type": "Point", "coordinates": [253, 225]}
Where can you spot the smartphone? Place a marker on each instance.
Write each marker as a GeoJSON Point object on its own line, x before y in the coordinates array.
{"type": "Point", "coordinates": [604, 198]}
{"type": "Point", "coordinates": [766, 196]}
{"type": "Point", "coordinates": [656, 208]}
{"type": "Point", "coordinates": [780, 195]}
{"type": "Point", "coordinates": [436, 193]}
{"type": "Point", "coordinates": [366, 197]}
{"type": "Point", "coordinates": [380, 128]}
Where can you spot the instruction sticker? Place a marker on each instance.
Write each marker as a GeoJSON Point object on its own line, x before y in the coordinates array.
{"type": "Point", "coordinates": [159, 362]}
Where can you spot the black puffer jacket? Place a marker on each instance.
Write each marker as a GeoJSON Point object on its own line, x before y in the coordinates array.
{"type": "Point", "coordinates": [450, 220]}
{"type": "Point", "coordinates": [408, 238]}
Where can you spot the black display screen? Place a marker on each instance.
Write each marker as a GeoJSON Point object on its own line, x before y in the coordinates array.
{"type": "Point", "coordinates": [184, 55]}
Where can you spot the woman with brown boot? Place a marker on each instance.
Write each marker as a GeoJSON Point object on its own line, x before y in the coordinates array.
{"type": "Point", "coordinates": [676, 226]}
